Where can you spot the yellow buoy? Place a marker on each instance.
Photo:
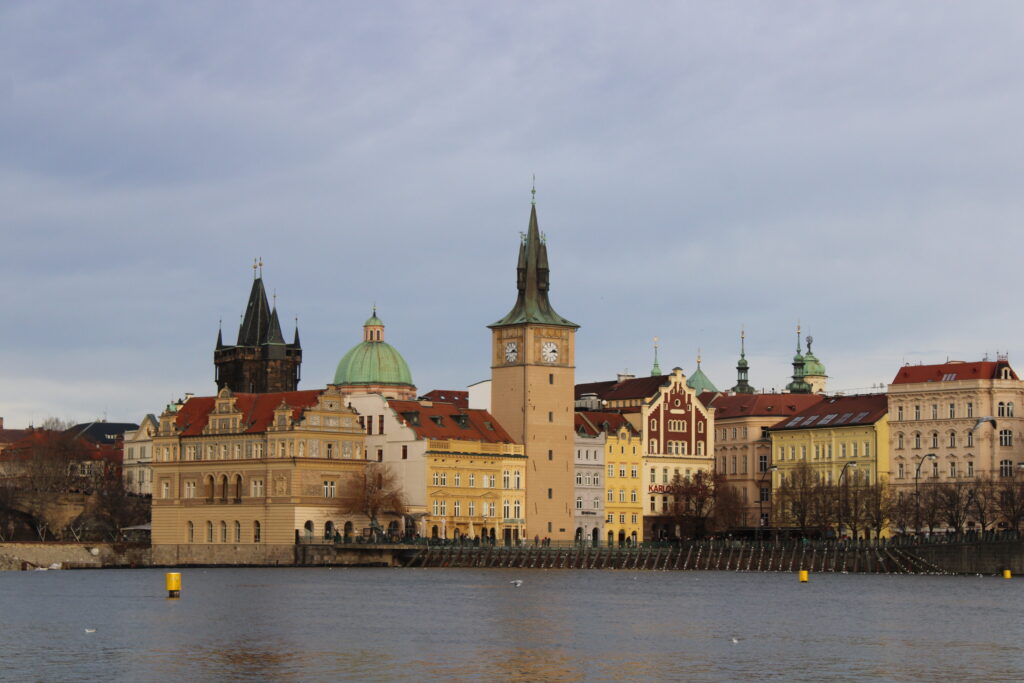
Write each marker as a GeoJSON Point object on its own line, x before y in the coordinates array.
{"type": "Point", "coordinates": [803, 575]}
{"type": "Point", "coordinates": [173, 584]}
{"type": "Point", "coordinates": [1007, 574]}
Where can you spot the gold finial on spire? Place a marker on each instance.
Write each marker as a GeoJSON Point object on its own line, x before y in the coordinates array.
{"type": "Point", "coordinates": [261, 267]}
{"type": "Point", "coordinates": [533, 191]}
{"type": "Point", "coordinates": [698, 356]}
{"type": "Point", "coordinates": [254, 268]}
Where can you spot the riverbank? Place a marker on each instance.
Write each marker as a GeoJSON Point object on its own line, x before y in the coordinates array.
{"type": "Point", "coordinates": [72, 555]}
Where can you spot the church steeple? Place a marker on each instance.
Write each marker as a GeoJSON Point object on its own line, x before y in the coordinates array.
{"type": "Point", "coordinates": [798, 385]}
{"type": "Point", "coordinates": [656, 370]}
{"type": "Point", "coordinates": [532, 281]}
{"type": "Point", "coordinates": [742, 367]}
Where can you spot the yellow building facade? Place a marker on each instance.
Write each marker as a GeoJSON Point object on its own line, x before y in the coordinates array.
{"type": "Point", "coordinates": [843, 439]}
{"type": "Point", "coordinates": [624, 487]}
{"type": "Point", "coordinates": [476, 490]}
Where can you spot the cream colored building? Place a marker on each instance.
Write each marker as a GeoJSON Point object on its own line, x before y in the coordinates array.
{"type": "Point", "coordinates": [138, 454]}
{"type": "Point", "coordinates": [240, 478]}
{"type": "Point", "coordinates": [965, 414]}
{"type": "Point", "coordinates": [743, 447]}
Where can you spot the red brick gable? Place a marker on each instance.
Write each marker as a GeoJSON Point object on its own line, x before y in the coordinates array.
{"type": "Point", "coordinates": [952, 372]}
{"type": "Point", "coordinates": [448, 421]}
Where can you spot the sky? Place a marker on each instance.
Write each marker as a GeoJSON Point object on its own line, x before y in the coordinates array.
{"type": "Point", "coordinates": [700, 168]}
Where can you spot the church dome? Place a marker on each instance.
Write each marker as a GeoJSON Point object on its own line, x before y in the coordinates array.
{"type": "Point", "coordinates": [812, 366]}
{"type": "Point", "coordinates": [373, 361]}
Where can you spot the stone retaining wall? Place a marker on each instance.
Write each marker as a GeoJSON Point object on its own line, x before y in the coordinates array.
{"type": "Point", "coordinates": [73, 555]}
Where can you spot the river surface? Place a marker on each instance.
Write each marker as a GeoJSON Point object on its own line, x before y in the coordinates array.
{"type": "Point", "coordinates": [468, 624]}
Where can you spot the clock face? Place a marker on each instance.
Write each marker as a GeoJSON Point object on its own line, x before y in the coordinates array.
{"type": "Point", "coordinates": [549, 352]}
{"type": "Point", "coordinates": [511, 352]}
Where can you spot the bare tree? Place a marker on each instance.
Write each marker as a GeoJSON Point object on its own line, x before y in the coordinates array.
{"type": "Point", "coordinates": [1010, 497]}
{"type": "Point", "coordinates": [929, 507]}
{"type": "Point", "coordinates": [372, 491]}
{"type": "Point", "coordinates": [705, 503]}
{"type": "Point", "coordinates": [878, 507]}
{"type": "Point", "coordinates": [903, 511]}
{"type": "Point", "coordinates": [953, 500]}
{"type": "Point", "coordinates": [984, 501]}
{"type": "Point", "coordinates": [797, 497]}
{"type": "Point", "coordinates": [56, 424]}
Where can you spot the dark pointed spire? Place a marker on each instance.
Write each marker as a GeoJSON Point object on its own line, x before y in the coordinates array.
{"type": "Point", "coordinates": [296, 343]}
{"type": "Point", "coordinates": [256, 320]}
{"type": "Point", "coordinates": [532, 281]}
{"type": "Point", "coordinates": [274, 335]}
{"type": "Point", "coordinates": [220, 335]}
{"type": "Point", "coordinates": [656, 369]}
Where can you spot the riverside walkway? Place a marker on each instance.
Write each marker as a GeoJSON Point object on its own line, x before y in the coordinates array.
{"type": "Point", "coordinates": [963, 554]}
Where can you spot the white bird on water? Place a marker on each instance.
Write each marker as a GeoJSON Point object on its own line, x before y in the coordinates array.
{"type": "Point", "coordinates": [90, 630]}
{"type": "Point", "coordinates": [516, 582]}
{"type": "Point", "coordinates": [735, 640]}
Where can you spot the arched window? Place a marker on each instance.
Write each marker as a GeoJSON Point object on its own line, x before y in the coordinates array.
{"type": "Point", "coordinates": [505, 509]}
{"type": "Point", "coordinates": [518, 479]}
{"type": "Point", "coordinates": [1005, 468]}
{"type": "Point", "coordinates": [209, 532]}
{"type": "Point", "coordinates": [224, 487]}
{"type": "Point", "coordinates": [505, 479]}
{"type": "Point", "coordinates": [255, 532]}
{"type": "Point", "coordinates": [210, 486]}
{"type": "Point", "coordinates": [935, 439]}
{"type": "Point", "coordinates": [191, 529]}
{"type": "Point", "coordinates": [1001, 409]}
{"type": "Point", "coordinates": [517, 509]}
{"type": "Point", "coordinates": [1009, 409]}
{"type": "Point", "coordinates": [899, 440]}
{"type": "Point", "coordinates": [223, 532]}
{"type": "Point", "coordinates": [917, 439]}
{"type": "Point", "coordinates": [238, 531]}
{"type": "Point", "coordinates": [238, 489]}
{"type": "Point", "coordinates": [1005, 437]}
{"type": "Point", "coordinates": [952, 439]}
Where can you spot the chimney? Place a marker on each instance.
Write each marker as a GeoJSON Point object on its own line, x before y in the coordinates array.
{"type": "Point", "coordinates": [624, 376]}
{"type": "Point", "coordinates": [1, 423]}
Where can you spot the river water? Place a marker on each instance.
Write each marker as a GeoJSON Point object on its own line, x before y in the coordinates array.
{"type": "Point", "coordinates": [466, 624]}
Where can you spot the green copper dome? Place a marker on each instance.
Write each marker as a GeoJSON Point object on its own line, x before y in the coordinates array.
{"type": "Point", "coordinates": [812, 366]}
{"type": "Point", "coordinates": [373, 361]}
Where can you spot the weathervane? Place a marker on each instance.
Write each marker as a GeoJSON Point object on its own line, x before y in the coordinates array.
{"type": "Point", "coordinates": [533, 191]}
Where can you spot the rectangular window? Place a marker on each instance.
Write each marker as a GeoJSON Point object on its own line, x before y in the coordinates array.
{"type": "Point", "coordinates": [762, 463]}
{"type": "Point", "coordinates": [611, 470]}
{"type": "Point", "coordinates": [952, 410]}
{"type": "Point", "coordinates": [654, 476]}
{"type": "Point", "coordinates": [472, 508]}
{"type": "Point", "coordinates": [444, 479]}
{"type": "Point", "coordinates": [329, 489]}
{"type": "Point", "coordinates": [472, 480]}
{"type": "Point", "coordinates": [765, 494]}
{"type": "Point", "coordinates": [970, 410]}
{"type": "Point", "coordinates": [633, 472]}
{"type": "Point", "coordinates": [405, 452]}
{"type": "Point", "coordinates": [457, 508]}
{"type": "Point", "coordinates": [622, 518]}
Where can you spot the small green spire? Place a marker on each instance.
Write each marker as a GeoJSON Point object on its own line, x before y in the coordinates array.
{"type": "Point", "coordinates": [656, 370]}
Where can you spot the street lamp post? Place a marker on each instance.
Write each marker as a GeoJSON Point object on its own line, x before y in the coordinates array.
{"type": "Point", "coordinates": [917, 493]}
{"type": "Point", "coordinates": [760, 498]}
{"type": "Point", "coordinates": [842, 507]}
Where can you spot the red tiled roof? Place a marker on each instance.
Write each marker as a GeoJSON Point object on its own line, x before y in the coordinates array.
{"type": "Point", "coordinates": [455, 396]}
{"type": "Point", "coordinates": [612, 390]}
{"type": "Point", "coordinates": [257, 409]}
{"type": "Point", "coordinates": [759, 405]}
{"type": "Point", "coordinates": [592, 422]}
{"type": "Point", "coordinates": [952, 372]}
{"type": "Point", "coordinates": [838, 411]}
{"type": "Point", "coordinates": [476, 422]}
{"type": "Point", "coordinates": [12, 435]}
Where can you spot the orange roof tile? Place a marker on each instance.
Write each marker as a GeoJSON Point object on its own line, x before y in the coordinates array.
{"type": "Point", "coordinates": [447, 421]}
{"type": "Point", "coordinates": [952, 372]}
{"type": "Point", "coordinates": [758, 405]}
{"type": "Point", "coordinates": [257, 409]}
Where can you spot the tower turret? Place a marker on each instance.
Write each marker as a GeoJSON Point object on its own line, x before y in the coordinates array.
{"type": "Point", "coordinates": [798, 385]}
{"type": "Point", "coordinates": [742, 367]}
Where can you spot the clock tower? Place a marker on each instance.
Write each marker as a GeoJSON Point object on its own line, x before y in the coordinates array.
{"type": "Point", "coordinates": [532, 390]}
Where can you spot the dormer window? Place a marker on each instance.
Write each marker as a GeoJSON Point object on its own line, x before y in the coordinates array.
{"type": "Point", "coordinates": [438, 420]}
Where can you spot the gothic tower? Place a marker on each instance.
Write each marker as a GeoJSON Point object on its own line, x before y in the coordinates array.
{"type": "Point", "coordinates": [260, 361]}
{"type": "Point", "coordinates": [532, 390]}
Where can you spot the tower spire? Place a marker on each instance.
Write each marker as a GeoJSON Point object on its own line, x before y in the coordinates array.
{"type": "Point", "coordinates": [798, 385]}
{"type": "Point", "coordinates": [656, 370]}
{"type": "Point", "coordinates": [532, 282]}
{"type": "Point", "coordinates": [742, 367]}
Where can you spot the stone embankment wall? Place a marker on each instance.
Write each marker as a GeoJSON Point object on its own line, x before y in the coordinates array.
{"type": "Point", "coordinates": [73, 555]}
{"type": "Point", "coordinates": [975, 558]}
{"type": "Point", "coordinates": [227, 554]}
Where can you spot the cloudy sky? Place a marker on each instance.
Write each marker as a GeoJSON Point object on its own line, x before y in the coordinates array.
{"type": "Point", "coordinates": [700, 166]}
